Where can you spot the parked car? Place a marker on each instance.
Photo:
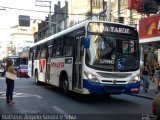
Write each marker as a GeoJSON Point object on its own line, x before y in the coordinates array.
{"type": "Point", "coordinates": [156, 105]}
{"type": "Point", "coordinates": [22, 71]}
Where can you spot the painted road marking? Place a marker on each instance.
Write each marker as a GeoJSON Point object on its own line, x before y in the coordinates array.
{"type": "Point", "coordinates": [59, 110]}
{"type": "Point", "coordinates": [16, 95]}
{"type": "Point", "coordinates": [63, 115]}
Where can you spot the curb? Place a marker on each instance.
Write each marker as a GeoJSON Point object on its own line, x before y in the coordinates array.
{"type": "Point", "coordinates": [142, 96]}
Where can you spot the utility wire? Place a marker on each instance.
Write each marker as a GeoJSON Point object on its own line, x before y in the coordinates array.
{"type": "Point", "coordinates": [56, 12]}
{"type": "Point", "coordinates": [23, 9]}
{"type": "Point", "coordinates": [40, 11]}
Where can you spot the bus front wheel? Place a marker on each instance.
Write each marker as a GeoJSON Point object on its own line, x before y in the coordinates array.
{"type": "Point", "coordinates": [65, 85]}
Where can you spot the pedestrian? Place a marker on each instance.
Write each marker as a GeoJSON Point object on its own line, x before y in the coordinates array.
{"type": "Point", "coordinates": [146, 81]}
{"type": "Point", "coordinates": [10, 82]}
{"type": "Point", "coordinates": [157, 77]}
{"type": "Point", "coordinates": [152, 72]}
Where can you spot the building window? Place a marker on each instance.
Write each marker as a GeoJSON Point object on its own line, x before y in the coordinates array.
{"type": "Point", "coordinates": [97, 3]}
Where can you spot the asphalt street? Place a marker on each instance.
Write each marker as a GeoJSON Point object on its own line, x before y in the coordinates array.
{"type": "Point", "coordinates": [48, 100]}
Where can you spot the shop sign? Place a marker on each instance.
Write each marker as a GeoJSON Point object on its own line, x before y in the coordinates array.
{"type": "Point", "coordinates": [134, 4]}
{"type": "Point", "coordinates": [149, 27]}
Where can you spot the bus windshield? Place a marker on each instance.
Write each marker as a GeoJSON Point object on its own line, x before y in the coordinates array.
{"type": "Point", "coordinates": [114, 53]}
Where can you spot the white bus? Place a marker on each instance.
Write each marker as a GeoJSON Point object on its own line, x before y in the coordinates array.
{"type": "Point", "coordinates": [93, 57]}
{"type": "Point", "coordinates": [16, 61]}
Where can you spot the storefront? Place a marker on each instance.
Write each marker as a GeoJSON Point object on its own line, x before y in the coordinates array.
{"type": "Point", "coordinates": [149, 35]}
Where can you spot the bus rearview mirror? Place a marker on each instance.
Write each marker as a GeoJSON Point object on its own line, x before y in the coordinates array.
{"type": "Point", "coordinates": [87, 42]}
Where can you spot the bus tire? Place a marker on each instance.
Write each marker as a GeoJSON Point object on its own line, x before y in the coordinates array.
{"type": "Point", "coordinates": [65, 86]}
{"type": "Point", "coordinates": [36, 78]}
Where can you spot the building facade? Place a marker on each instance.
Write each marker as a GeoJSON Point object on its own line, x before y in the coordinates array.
{"type": "Point", "coordinates": [21, 38]}
{"type": "Point", "coordinates": [73, 12]}
{"type": "Point", "coordinates": [58, 22]}
{"type": "Point", "coordinates": [76, 11]}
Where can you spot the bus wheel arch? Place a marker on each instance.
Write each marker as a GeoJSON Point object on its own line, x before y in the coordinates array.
{"type": "Point", "coordinates": [64, 83]}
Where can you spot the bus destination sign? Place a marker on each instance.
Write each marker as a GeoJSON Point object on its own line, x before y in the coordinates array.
{"type": "Point", "coordinates": [116, 29]}
{"type": "Point", "coordinates": [112, 28]}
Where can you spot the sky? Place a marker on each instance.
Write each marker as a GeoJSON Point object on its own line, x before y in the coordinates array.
{"type": "Point", "coordinates": [9, 16]}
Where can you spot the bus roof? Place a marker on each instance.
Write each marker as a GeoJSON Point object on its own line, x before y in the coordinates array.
{"type": "Point", "coordinates": [77, 26]}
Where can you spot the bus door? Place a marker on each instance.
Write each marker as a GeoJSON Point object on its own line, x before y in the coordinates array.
{"type": "Point", "coordinates": [77, 82]}
{"type": "Point", "coordinates": [48, 61]}
{"type": "Point", "coordinates": [33, 58]}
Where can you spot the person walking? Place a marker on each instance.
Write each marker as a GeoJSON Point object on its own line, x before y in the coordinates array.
{"type": "Point", "coordinates": [157, 77]}
{"type": "Point", "coordinates": [10, 82]}
{"type": "Point", "coordinates": [146, 82]}
{"type": "Point", "coordinates": [152, 72]}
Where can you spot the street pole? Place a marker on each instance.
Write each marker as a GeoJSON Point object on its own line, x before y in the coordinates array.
{"type": "Point", "coordinates": [109, 10]}
{"type": "Point", "coordinates": [131, 19]}
{"type": "Point", "coordinates": [119, 8]}
{"type": "Point", "coordinates": [50, 30]}
{"type": "Point", "coordinates": [91, 9]}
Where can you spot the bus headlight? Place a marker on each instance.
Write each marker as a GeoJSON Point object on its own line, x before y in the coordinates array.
{"type": "Point", "coordinates": [91, 77]}
{"type": "Point", "coordinates": [135, 79]}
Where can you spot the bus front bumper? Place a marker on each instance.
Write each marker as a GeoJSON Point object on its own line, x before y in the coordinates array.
{"type": "Point", "coordinates": [99, 88]}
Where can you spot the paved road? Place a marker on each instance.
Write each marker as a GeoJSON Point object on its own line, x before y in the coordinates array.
{"type": "Point", "coordinates": [45, 99]}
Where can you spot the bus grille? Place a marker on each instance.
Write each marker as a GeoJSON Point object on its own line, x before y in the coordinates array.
{"type": "Point", "coordinates": [111, 81]}
{"type": "Point", "coordinates": [114, 75]}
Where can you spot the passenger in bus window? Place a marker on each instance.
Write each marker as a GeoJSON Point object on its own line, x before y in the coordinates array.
{"type": "Point", "coordinates": [105, 50]}
{"type": "Point", "coordinates": [125, 48]}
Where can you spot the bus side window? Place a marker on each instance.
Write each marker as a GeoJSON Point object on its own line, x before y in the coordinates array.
{"type": "Point", "coordinates": [49, 49]}
{"type": "Point", "coordinates": [37, 54]}
{"type": "Point", "coordinates": [67, 45]}
{"type": "Point", "coordinates": [57, 47]}
{"type": "Point", "coordinates": [53, 49]}
{"type": "Point", "coordinates": [30, 54]}
{"type": "Point", "coordinates": [43, 53]}
{"type": "Point", "coordinates": [82, 45]}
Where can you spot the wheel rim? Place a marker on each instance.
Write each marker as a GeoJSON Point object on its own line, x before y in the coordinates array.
{"type": "Point", "coordinates": [65, 85]}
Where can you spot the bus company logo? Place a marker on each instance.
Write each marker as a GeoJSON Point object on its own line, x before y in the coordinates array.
{"type": "Point", "coordinates": [41, 65]}
{"type": "Point", "coordinates": [57, 65]}
{"type": "Point", "coordinates": [114, 81]}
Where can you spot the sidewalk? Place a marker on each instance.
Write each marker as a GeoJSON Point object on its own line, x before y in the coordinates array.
{"type": "Point", "coordinates": [150, 94]}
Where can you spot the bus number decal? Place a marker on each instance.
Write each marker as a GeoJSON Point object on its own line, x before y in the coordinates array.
{"type": "Point", "coordinates": [105, 61]}
{"type": "Point", "coordinates": [57, 65]}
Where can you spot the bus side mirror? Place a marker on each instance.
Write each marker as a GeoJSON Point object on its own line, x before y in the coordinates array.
{"type": "Point", "coordinates": [87, 42]}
